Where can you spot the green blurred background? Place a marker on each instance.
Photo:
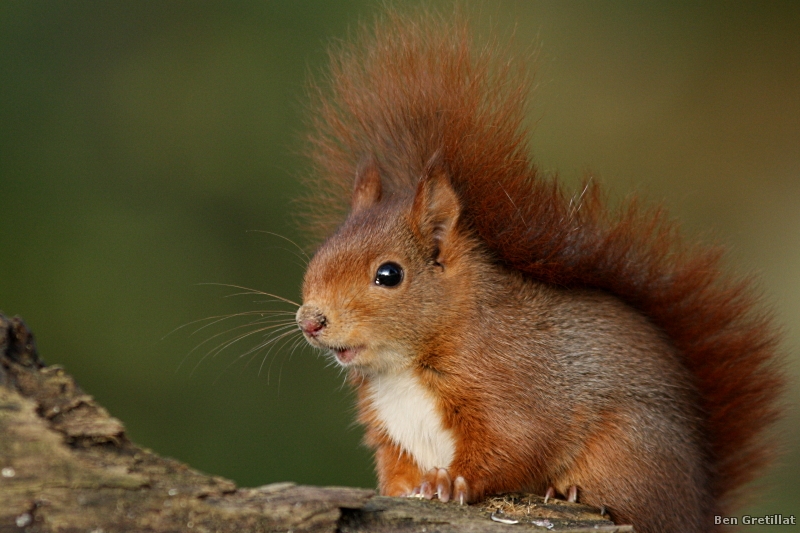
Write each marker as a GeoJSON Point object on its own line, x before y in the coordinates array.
{"type": "Point", "coordinates": [142, 142]}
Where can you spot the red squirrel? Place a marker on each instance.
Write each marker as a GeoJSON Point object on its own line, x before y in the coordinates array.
{"type": "Point", "coordinates": [502, 334]}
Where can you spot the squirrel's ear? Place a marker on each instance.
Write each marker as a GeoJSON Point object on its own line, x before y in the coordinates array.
{"type": "Point", "coordinates": [435, 210]}
{"type": "Point", "coordinates": [367, 186]}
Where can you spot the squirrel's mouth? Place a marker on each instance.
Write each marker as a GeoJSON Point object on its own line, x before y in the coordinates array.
{"type": "Point", "coordinates": [345, 355]}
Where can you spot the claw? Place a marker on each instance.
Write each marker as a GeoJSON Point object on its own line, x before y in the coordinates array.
{"type": "Point", "coordinates": [460, 490]}
{"type": "Point", "coordinates": [443, 485]}
{"type": "Point", "coordinates": [551, 493]}
{"type": "Point", "coordinates": [437, 482]}
{"type": "Point", "coordinates": [426, 490]}
{"type": "Point", "coordinates": [573, 494]}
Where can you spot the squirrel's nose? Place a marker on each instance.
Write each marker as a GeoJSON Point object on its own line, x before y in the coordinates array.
{"type": "Point", "coordinates": [311, 320]}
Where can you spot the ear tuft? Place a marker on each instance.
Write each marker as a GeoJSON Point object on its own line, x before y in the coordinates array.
{"type": "Point", "coordinates": [367, 186]}
{"type": "Point", "coordinates": [436, 209]}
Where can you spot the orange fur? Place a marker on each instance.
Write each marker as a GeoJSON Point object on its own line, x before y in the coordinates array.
{"type": "Point", "coordinates": [415, 88]}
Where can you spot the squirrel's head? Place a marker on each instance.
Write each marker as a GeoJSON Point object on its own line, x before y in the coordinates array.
{"type": "Point", "coordinates": [392, 278]}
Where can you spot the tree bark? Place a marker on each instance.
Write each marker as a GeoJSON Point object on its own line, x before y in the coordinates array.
{"type": "Point", "coordinates": [67, 466]}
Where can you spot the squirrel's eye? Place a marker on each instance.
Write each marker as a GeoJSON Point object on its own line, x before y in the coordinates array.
{"type": "Point", "coordinates": [389, 275]}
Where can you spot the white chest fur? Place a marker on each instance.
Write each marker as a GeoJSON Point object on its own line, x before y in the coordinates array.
{"type": "Point", "coordinates": [410, 416]}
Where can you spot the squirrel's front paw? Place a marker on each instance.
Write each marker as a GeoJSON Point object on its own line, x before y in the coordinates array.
{"type": "Point", "coordinates": [437, 482]}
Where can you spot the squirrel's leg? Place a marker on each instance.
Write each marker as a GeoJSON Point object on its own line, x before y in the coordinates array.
{"type": "Point", "coordinates": [398, 473]}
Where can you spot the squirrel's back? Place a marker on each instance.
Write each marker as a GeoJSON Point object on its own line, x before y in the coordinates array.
{"type": "Point", "coordinates": [415, 87]}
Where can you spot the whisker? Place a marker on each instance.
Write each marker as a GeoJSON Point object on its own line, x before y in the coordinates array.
{"type": "Point", "coordinates": [266, 355]}
{"type": "Point", "coordinates": [254, 350]}
{"type": "Point", "coordinates": [248, 294]}
{"type": "Point", "coordinates": [278, 329]}
{"type": "Point", "coordinates": [222, 318]}
{"type": "Point", "coordinates": [251, 323]}
{"type": "Point", "coordinates": [253, 291]}
{"type": "Point", "coordinates": [280, 369]}
{"type": "Point", "coordinates": [272, 341]}
{"type": "Point", "coordinates": [190, 352]}
{"type": "Point", "coordinates": [281, 332]}
{"type": "Point", "coordinates": [307, 259]}
{"type": "Point", "coordinates": [293, 313]}
{"type": "Point", "coordinates": [297, 344]}
{"type": "Point", "coordinates": [301, 264]}
{"type": "Point", "coordinates": [222, 345]}
{"type": "Point", "coordinates": [199, 320]}
{"type": "Point", "coordinates": [215, 351]}
{"type": "Point", "coordinates": [272, 361]}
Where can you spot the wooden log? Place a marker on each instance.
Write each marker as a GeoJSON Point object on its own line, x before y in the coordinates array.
{"type": "Point", "coordinates": [66, 465]}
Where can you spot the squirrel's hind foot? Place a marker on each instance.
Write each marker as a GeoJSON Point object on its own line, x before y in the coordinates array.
{"type": "Point", "coordinates": [572, 493]}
